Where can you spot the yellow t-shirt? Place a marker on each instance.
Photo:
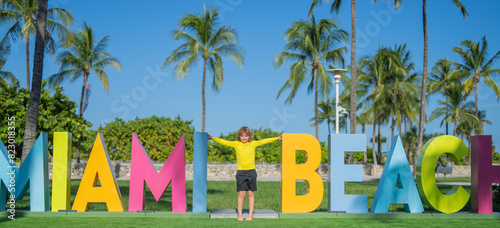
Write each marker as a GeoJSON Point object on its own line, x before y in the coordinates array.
{"type": "Point", "coordinates": [245, 152]}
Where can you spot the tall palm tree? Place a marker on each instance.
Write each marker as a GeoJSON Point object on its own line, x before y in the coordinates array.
{"type": "Point", "coordinates": [22, 13]}
{"type": "Point", "coordinates": [353, 96]}
{"type": "Point", "coordinates": [84, 57]}
{"type": "Point", "coordinates": [5, 75]}
{"type": "Point", "coordinates": [326, 112]}
{"type": "Point", "coordinates": [311, 44]}
{"type": "Point", "coordinates": [455, 109]}
{"type": "Point", "coordinates": [205, 38]}
{"type": "Point", "coordinates": [443, 76]}
{"type": "Point", "coordinates": [422, 116]}
{"type": "Point", "coordinates": [34, 105]}
{"type": "Point", "coordinates": [476, 62]}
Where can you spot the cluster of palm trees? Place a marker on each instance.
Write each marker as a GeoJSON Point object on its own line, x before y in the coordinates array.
{"type": "Point", "coordinates": [384, 85]}
{"type": "Point", "coordinates": [388, 93]}
{"type": "Point", "coordinates": [455, 81]}
{"type": "Point", "coordinates": [391, 91]}
{"type": "Point", "coordinates": [83, 55]}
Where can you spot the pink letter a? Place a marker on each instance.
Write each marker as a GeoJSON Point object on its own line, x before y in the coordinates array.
{"type": "Point", "coordinates": [142, 169]}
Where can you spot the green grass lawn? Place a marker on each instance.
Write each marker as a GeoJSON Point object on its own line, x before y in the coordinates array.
{"type": "Point", "coordinates": [222, 194]}
{"type": "Point", "coordinates": [443, 179]}
{"type": "Point", "coordinates": [176, 222]}
{"type": "Point", "coordinates": [453, 179]}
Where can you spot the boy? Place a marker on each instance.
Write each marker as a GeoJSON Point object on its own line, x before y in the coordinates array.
{"type": "Point", "coordinates": [246, 176]}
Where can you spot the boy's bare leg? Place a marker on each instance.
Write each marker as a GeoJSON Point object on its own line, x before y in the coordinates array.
{"type": "Point", "coordinates": [251, 203]}
{"type": "Point", "coordinates": [241, 196]}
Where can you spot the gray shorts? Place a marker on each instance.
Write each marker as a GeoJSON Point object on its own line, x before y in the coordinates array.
{"type": "Point", "coordinates": [246, 180]}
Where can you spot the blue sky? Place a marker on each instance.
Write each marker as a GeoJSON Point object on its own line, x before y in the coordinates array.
{"type": "Point", "coordinates": [140, 38]}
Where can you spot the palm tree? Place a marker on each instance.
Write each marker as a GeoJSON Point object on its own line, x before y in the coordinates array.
{"type": "Point", "coordinates": [455, 109]}
{"type": "Point", "coordinates": [5, 75]}
{"type": "Point", "coordinates": [22, 14]}
{"type": "Point", "coordinates": [403, 94]}
{"type": "Point", "coordinates": [442, 77]}
{"type": "Point", "coordinates": [422, 116]}
{"type": "Point", "coordinates": [476, 62]}
{"type": "Point", "coordinates": [326, 112]}
{"type": "Point", "coordinates": [311, 44]}
{"type": "Point", "coordinates": [209, 41]}
{"type": "Point", "coordinates": [83, 57]}
{"type": "Point", "coordinates": [34, 105]}
{"type": "Point", "coordinates": [377, 76]}
{"type": "Point", "coordinates": [353, 96]}
{"type": "Point", "coordinates": [465, 128]}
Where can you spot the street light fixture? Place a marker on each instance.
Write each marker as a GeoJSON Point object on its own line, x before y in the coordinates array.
{"type": "Point", "coordinates": [345, 113]}
{"type": "Point", "coordinates": [336, 80]}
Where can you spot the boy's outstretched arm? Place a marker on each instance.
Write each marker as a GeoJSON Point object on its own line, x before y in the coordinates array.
{"type": "Point", "coordinates": [266, 141]}
{"type": "Point", "coordinates": [224, 142]}
{"type": "Point", "coordinates": [280, 137]}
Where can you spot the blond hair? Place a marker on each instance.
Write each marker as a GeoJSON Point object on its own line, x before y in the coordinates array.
{"type": "Point", "coordinates": [245, 130]}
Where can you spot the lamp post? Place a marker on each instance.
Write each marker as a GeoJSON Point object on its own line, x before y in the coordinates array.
{"type": "Point", "coordinates": [336, 80]}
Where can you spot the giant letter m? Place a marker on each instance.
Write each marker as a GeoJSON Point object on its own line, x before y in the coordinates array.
{"type": "Point", "coordinates": [34, 171]}
{"type": "Point", "coordinates": [142, 170]}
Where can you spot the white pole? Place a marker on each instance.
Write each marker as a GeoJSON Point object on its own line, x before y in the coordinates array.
{"type": "Point", "coordinates": [337, 104]}
{"type": "Point", "coordinates": [336, 77]}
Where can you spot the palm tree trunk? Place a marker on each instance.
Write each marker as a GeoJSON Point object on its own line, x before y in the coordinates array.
{"type": "Point", "coordinates": [446, 115]}
{"type": "Point", "coordinates": [422, 95]}
{"type": "Point", "coordinates": [468, 139]}
{"type": "Point", "coordinates": [392, 128]}
{"type": "Point", "coordinates": [328, 122]}
{"type": "Point", "coordinates": [406, 123]}
{"type": "Point", "coordinates": [352, 97]}
{"type": "Point", "coordinates": [316, 117]}
{"type": "Point", "coordinates": [365, 156]}
{"type": "Point", "coordinates": [455, 128]}
{"type": "Point", "coordinates": [373, 143]}
{"type": "Point", "coordinates": [34, 106]}
{"type": "Point", "coordinates": [410, 158]}
{"type": "Point", "coordinates": [85, 76]}
{"type": "Point", "coordinates": [28, 76]}
{"type": "Point", "coordinates": [476, 82]}
{"type": "Point", "coordinates": [203, 95]}
{"type": "Point", "coordinates": [379, 142]}
{"type": "Point", "coordinates": [399, 126]}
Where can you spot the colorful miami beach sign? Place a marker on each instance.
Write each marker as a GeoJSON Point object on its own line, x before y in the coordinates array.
{"type": "Point", "coordinates": [396, 185]}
